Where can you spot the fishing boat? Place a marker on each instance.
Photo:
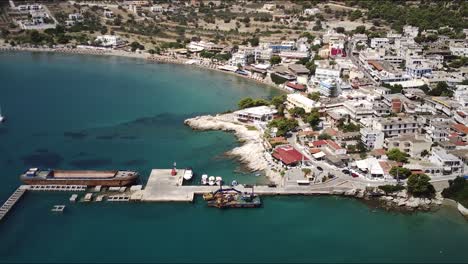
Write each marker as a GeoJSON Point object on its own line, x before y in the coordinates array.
{"type": "Point", "coordinates": [211, 180]}
{"type": "Point", "coordinates": [188, 174]}
{"type": "Point", "coordinates": [219, 180]}
{"type": "Point", "coordinates": [2, 118]}
{"type": "Point", "coordinates": [204, 179]}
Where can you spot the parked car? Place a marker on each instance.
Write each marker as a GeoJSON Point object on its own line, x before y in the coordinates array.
{"type": "Point", "coordinates": [345, 171]}
{"type": "Point", "coordinates": [319, 168]}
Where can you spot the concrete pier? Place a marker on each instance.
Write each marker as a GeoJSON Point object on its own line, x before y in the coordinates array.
{"type": "Point", "coordinates": [163, 187]}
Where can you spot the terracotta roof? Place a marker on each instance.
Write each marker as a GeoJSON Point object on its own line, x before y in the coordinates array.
{"type": "Point", "coordinates": [333, 144]}
{"type": "Point", "coordinates": [319, 143]}
{"type": "Point", "coordinates": [330, 131]}
{"type": "Point", "coordinates": [314, 150]}
{"type": "Point", "coordinates": [288, 155]}
{"type": "Point", "coordinates": [296, 86]}
{"type": "Point", "coordinates": [308, 133]}
{"type": "Point", "coordinates": [460, 128]}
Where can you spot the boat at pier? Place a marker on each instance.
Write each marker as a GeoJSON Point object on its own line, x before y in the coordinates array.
{"type": "Point", "coordinates": [204, 179]}
{"type": "Point", "coordinates": [35, 176]}
{"type": "Point", "coordinates": [211, 180]}
{"type": "Point", "coordinates": [219, 180]}
{"type": "Point", "coordinates": [232, 198]}
{"type": "Point", "coordinates": [2, 118]}
{"type": "Point", "coordinates": [188, 174]}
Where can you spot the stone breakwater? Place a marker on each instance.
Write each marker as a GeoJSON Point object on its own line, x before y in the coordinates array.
{"type": "Point", "coordinates": [251, 152]}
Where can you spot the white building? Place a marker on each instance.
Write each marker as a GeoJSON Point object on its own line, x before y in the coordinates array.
{"type": "Point", "coordinates": [373, 139]}
{"type": "Point", "coordinates": [450, 163]}
{"type": "Point", "coordinates": [110, 40]}
{"type": "Point", "coordinates": [459, 49]}
{"type": "Point", "coordinates": [411, 144]}
{"type": "Point", "coordinates": [108, 13]}
{"type": "Point", "coordinates": [157, 9]}
{"type": "Point", "coordinates": [329, 88]}
{"type": "Point", "coordinates": [311, 11]}
{"type": "Point", "coordinates": [299, 100]}
{"type": "Point", "coordinates": [379, 43]}
{"type": "Point", "coordinates": [256, 114]}
{"type": "Point", "coordinates": [326, 73]}
{"type": "Point", "coordinates": [410, 31]}
{"type": "Point", "coordinates": [395, 126]}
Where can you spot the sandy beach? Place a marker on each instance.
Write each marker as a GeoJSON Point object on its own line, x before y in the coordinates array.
{"type": "Point", "coordinates": [139, 55]}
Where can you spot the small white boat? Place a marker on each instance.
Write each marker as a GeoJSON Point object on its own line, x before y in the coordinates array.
{"type": "Point", "coordinates": [73, 198]}
{"type": "Point", "coordinates": [211, 180]}
{"type": "Point", "coordinates": [2, 118]}
{"type": "Point", "coordinates": [219, 180]}
{"type": "Point", "coordinates": [204, 179]}
{"type": "Point", "coordinates": [188, 174]}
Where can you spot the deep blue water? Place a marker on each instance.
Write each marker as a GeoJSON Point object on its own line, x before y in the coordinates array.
{"type": "Point", "coordinates": [67, 111]}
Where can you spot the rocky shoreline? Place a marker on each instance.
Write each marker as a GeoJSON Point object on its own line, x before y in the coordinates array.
{"type": "Point", "coordinates": [399, 201]}
{"type": "Point", "coordinates": [251, 152]}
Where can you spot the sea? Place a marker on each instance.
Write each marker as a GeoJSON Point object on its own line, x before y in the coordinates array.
{"type": "Point", "coordinates": [96, 112]}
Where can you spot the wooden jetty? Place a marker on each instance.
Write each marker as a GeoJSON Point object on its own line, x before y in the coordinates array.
{"type": "Point", "coordinates": [6, 207]}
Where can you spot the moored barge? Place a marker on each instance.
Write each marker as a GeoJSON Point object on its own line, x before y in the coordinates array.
{"type": "Point", "coordinates": [35, 176]}
{"type": "Point", "coordinates": [232, 198]}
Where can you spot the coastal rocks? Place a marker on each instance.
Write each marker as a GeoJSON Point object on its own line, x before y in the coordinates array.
{"type": "Point", "coordinates": [463, 210]}
{"type": "Point", "coordinates": [252, 150]}
{"type": "Point", "coordinates": [351, 192]}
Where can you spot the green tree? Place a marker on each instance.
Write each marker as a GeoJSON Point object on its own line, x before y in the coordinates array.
{"type": "Point", "coordinates": [283, 125]}
{"type": "Point", "coordinates": [249, 102]}
{"type": "Point", "coordinates": [400, 172]}
{"type": "Point", "coordinates": [312, 118]}
{"type": "Point", "coordinates": [278, 100]}
{"type": "Point", "coordinates": [297, 111]}
{"type": "Point", "coordinates": [275, 59]}
{"type": "Point", "coordinates": [314, 96]}
{"type": "Point", "coordinates": [441, 89]}
{"type": "Point", "coordinates": [306, 171]}
{"type": "Point", "coordinates": [388, 189]}
{"type": "Point", "coordinates": [419, 186]}
{"type": "Point", "coordinates": [324, 136]}
{"type": "Point", "coordinates": [397, 155]}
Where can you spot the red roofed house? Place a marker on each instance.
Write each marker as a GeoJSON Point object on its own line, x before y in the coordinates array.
{"type": "Point", "coordinates": [296, 86]}
{"type": "Point", "coordinates": [330, 146]}
{"type": "Point", "coordinates": [288, 155]}
{"type": "Point", "coordinates": [461, 130]}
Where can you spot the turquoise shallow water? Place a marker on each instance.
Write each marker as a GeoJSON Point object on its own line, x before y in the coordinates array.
{"type": "Point", "coordinates": [98, 112]}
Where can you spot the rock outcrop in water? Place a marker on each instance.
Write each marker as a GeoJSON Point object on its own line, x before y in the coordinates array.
{"type": "Point", "coordinates": [250, 153]}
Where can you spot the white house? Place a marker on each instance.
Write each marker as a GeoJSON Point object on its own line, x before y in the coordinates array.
{"type": "Point", "coordinates": [451, 164]}
{"type": "Point", "coordinates": [109, 40]}
{"type": "Point", "coordinates": [373, 139]}
{"type": "Point", "coordinates": [299, 100]}
{"type": "Point", "coordinates": [256, 114]}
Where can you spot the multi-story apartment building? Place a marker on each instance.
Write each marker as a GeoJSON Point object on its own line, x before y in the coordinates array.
{"type": "Point", "coordinates": [411, 144]}
{"type": "Point", "coordinates": [395, 126]}
{"type": "Point", "coordinates": [373, 139]}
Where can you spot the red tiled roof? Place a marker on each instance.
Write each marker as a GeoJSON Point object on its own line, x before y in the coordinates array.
{"type": "Point", "coordinates": [288, 155]}
{"type": "Point", "coordinates": [296, 86]}
{"type": "Point", "coordinates": [314, 150]}
{"type": "Point", "coordinates": [333, 144]}
{"type": "Point", "coordinates": [460, 128]}
{"type": "Point", "coordinates": [319, 143]}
